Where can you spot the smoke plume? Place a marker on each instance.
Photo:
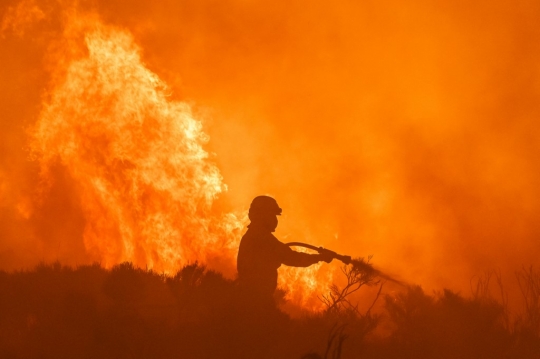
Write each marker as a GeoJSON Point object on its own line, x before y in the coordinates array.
{"type": "Point", "coordinates": [403, 130]}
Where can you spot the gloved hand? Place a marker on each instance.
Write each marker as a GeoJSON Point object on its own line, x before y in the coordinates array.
{"type": "Point", "coordinates": [326, 256]}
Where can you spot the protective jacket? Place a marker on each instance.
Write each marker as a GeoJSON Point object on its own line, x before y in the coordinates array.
{"type": "Point", "coordinates": [259, 257]}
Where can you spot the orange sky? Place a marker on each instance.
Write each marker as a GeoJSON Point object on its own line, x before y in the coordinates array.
{"type": "Point", "coordinates": [406, 131]}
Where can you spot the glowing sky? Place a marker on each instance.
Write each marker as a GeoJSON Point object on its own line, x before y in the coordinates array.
{"type": "Point", "coordinates": [403, 130]}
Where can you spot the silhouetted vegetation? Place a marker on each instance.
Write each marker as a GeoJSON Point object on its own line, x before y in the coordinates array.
{"type": "Point", "coordinates": [90, 312]}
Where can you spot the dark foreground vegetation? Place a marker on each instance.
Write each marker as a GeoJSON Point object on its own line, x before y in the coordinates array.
{"type": "Point", "coordinates": [89, 312]}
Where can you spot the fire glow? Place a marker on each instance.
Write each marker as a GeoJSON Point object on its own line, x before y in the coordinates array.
{"type": "Point", "coordinates": [146, 184]}
{"type": "Point", "coordinates": [406, 131]}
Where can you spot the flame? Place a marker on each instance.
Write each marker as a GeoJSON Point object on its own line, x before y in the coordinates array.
{"type": "Point", "coordinates": [146, 183]}
{"type": "Point", "coordinates": [303, 286]}
{"type": "Point", "coordinates": [407, 130]}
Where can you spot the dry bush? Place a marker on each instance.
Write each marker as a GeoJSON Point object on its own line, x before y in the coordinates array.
{"type": "Point", "coordinates": [57, 312]}
{"type": "Point", "coordinates": [359, 273]}
{"type": "Point", "coordinates": [529, 284]}
{"type": "Point", "coordinates": [446, 325]}
{"type": "Point", "coordinates": [345, 313]}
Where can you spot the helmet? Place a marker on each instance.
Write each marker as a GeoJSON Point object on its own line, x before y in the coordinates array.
{"type": "Point", "coordinates": [263, 205]}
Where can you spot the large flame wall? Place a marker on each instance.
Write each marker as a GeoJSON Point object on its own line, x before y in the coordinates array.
{"type": "Point", "coordinates": [404, 130]}
{"type": "Point", "coordinates": [145, 183]}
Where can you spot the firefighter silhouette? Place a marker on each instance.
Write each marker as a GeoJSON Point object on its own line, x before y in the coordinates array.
{"type": "Point", "coordinates": [261, 253]}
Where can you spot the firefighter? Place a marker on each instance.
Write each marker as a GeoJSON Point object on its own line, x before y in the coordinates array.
{"type": "Point", "coordinates": [261, 253]}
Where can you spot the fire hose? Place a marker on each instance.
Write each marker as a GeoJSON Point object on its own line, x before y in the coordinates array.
{"type": "Point", "coordinates": [321, 250]}
{"type": "Point", "coordinates": [347, 260]}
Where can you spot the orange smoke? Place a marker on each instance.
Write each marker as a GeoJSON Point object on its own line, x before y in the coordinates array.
{"type": "Point", "coordinates": [146, 184]}
{"type": "Point", "coordinates": [403, 130]}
